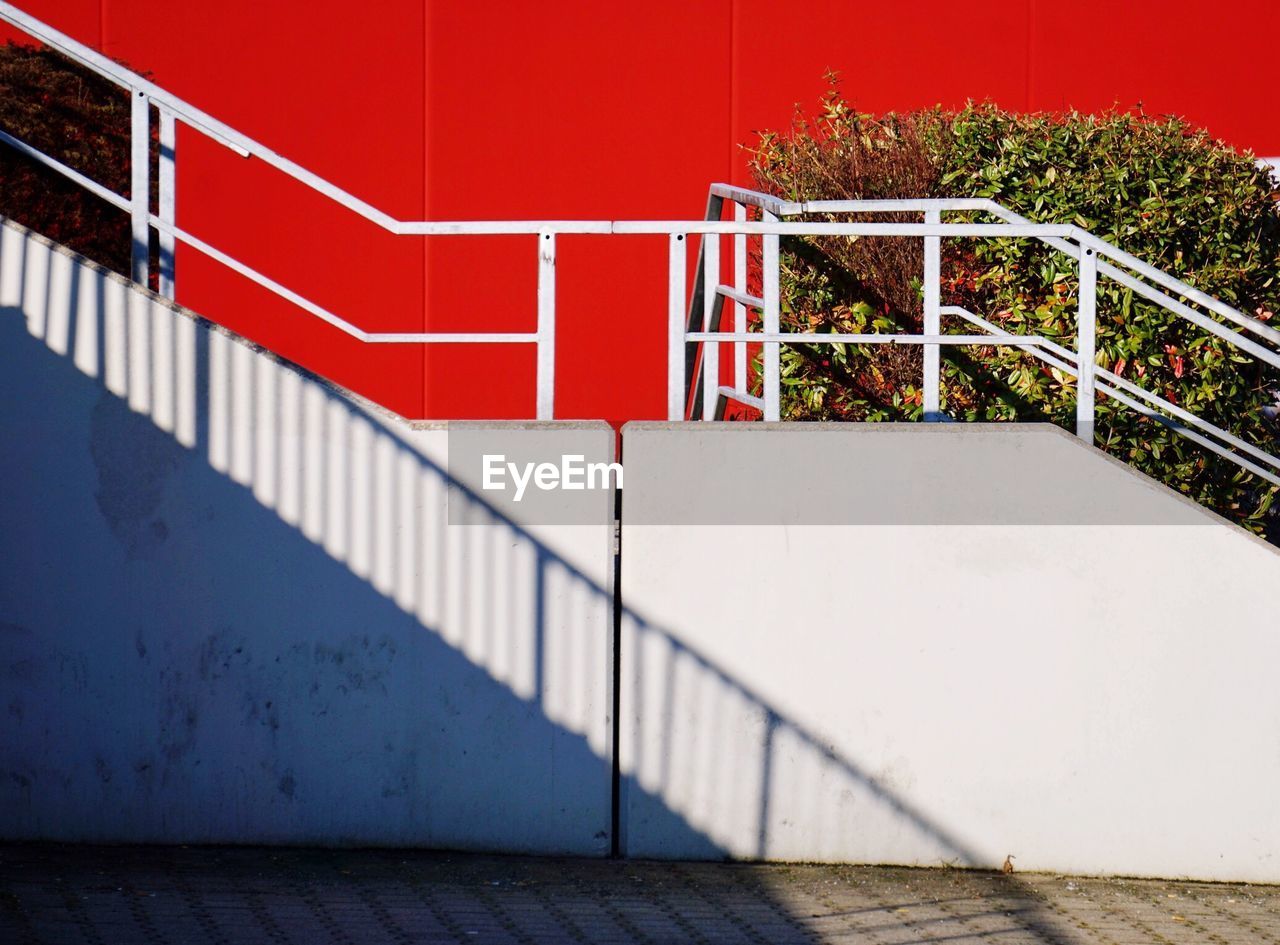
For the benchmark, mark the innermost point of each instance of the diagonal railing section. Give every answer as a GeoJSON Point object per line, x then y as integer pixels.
{"type": "Point", "coordinates": [172, 111]}
{"type": "Point", "coordinates": [695, 333]}
{"type": "Point", "coordinates": [706, 397]}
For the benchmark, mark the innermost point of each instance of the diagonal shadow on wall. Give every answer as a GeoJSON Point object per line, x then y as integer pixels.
{"type": "Point", "coordinates": [231, 611]}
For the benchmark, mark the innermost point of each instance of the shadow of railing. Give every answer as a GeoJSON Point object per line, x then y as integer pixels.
{"type": "Point", "coordinates": [248, 570]}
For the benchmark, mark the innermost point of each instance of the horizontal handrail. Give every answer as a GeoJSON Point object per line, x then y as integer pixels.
{"type": "Point", "coordinates": [896, 205]}
{"type": "Point", "coordinates": [788, 208]}
{"type": "Point", "coordinates": [606, 227]}
{"type": "Point", "coordinates": [329, 317]}
{"type": "Point", "coordinates": [545, 228]}
{"type": "Point", "coordinates": [834, 338]}
{"type": "Point", "coordinates": [782, 228]}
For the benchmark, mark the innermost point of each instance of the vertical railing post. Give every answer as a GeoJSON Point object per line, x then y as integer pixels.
{"type": "Point", "coordinates": [167, 210]}
{"type": "Point", "coordinates": [740, 309]}
{"type": "Point", "coordinates": [140, 184]}
{"type": "Point", "coordinates": [932, 389]}
{"type": "Point", "coordinates": [710, 349]}
{"type": "Point", "coordinates": [1086, 344]}
{"type": "Point", "coordinates": [772, 373]}
{"type": "Point", "coordinates": [675, 326]}
{"type": "Point", "coordinates": [546, 325]}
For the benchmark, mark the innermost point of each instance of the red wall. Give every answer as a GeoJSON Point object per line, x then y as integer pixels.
{"type": "Point", "coordinates": [577, 109]}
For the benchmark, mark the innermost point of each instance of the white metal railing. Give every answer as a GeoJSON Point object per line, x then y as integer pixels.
{"type": "Point", "coordinates": [701, 324]}
{"type": "Point", "coordinates": [693, 324]}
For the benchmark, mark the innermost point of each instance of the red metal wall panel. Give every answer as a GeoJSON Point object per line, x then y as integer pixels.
{"type": "Point", "coordinates": [342, 95]}
{"type": "Point", "coordinates": [1211, 63]}
{"type": "Point", "coordinates": [890, 56]}
{"type": "Point", "coordinates": [575, 109]}
{"type": "Point", "coordinates": [79, 18]}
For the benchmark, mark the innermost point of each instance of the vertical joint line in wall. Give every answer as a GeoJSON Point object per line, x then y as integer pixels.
{"type": "Point", "coordinates": [1030, 52]}
{"type": "Point", "coordinates": [615, 781]}
{"type": "Point", "coordinates": [543, 559]}
{"type": "Point", "coordinates": [203, 391]}
{"type": "Point", "coordinates": [733, 83]}
{"type": "Point", "coordinates": [426, 202]}
{"type": "Point", "coordinates": [767, 749]}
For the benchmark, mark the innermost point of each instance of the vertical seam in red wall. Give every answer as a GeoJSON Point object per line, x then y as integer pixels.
{"type": "Point", "coordinates": [733, 103]}
{"type": "Point", "coordinates": [733, 85]}
{"type": "Point", "coordinates": [1031, 35]}
{"type": "Point", "coordinates": [426, 196]}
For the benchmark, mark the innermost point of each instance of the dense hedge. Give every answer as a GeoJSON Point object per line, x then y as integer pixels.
{"type": "Point", "coordinates": [76, 116]}
{"type": "Point", "coordinates": [1157, 187]}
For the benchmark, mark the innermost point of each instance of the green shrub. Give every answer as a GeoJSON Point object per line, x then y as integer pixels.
{"type": "Point", "coordinates": [1158, 188]}
{"type": "Point", "coordinates": [76, 116]}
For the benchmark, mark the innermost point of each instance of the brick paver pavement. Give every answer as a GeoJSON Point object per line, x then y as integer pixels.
{"type": "Point", "coordinates": [121, 896]}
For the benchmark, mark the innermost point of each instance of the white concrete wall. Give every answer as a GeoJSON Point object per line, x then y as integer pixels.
{"type": "Point", "coordinates": [233, 607]}
{"type": "Point", "coordinates": [1001, 642]}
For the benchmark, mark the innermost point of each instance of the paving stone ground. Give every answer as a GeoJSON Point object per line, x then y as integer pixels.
{"type": "Point", "coordinates": [237, 896]}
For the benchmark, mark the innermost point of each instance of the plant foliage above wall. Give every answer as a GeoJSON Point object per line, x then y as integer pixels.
{"type": "Point", "coordinates": [1158, 188]}
{"type": "Point", "coordinates": [74, 115]}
